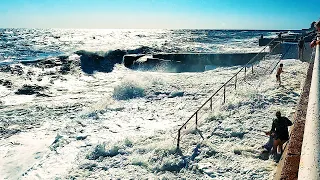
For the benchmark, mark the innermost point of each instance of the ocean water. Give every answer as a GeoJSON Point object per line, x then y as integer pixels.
{"type": "Point", "coordinates": [33, 44]}
{"type": "Point", "coordinates": [118, 123]}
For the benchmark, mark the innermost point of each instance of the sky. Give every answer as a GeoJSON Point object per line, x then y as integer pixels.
{"type": "Point", "coordinates": [159, 14]}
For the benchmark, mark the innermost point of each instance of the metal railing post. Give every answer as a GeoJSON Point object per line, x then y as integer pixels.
{"type": "Point", "coordinates": [245, 72]}
{"type": "Point", "coordinates": [211, 103]}
{"type": "Point", "coordinates": [235, 83]}
{"type": "Point", "coordinates": [252, 68]}
{"type": "Point", "coordinates": [178, 141]}
{"type": "Point", "coordinates": [196, 119]}
{"type": "Point", "coordinates": [224, 94]}
{"type": "Point", "coordinates": [309, 167]}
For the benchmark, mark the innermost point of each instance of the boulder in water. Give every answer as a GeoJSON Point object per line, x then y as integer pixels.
{"type": "Point", "coordinates": [18, 70]}
{"type": "Point", "coordinates": [65, 68]}
{"type": "Point", "coordinates": [128, 60]}
{"type": "Point", "coordinates": [30, 90]}
{"type": "Point", "coordinates": [6, 83]}
{"type": "Point", "coordinates": [81, 137]}
{"type": "Point", "coordinates": [176, 94]}
{"type": "Point", "coordinates": [94, 61]}
{"type": "Point", "coordinates": [49, 63]}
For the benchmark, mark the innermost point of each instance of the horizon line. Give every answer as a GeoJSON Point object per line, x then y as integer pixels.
{"type": "Point", "coordinates": [157, 29]}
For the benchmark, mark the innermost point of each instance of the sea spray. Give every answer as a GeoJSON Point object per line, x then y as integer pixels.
{"type": "Point", "coordinates": [128, 90]}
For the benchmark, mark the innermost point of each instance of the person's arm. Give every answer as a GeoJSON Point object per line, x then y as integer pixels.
{"type": "Point", "coordinates": [273, 128]}
{"type": "Point", "coordinates": [314, 43]}
{"type": "Point", "coordinates": [289, 123]}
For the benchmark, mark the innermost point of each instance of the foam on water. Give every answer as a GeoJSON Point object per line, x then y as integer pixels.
{"type": "Point", "coordinates": [81, 131]}
{"type": "Point", "coordinates": [128, 90]}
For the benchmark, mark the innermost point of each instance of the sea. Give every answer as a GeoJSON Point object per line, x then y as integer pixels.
{"type": "Point", "coordinates": [69, 108]}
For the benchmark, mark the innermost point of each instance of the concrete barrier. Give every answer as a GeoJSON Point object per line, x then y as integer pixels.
{"type": "Point", "coordinates": [307, 53]}
{"type": "Point", "coordinates": [129, 59]}
{"type": "Point", "coordinates": [188, 62]}
{"type": "Point", "coordinates": [309, 168]}
{"type": "Point", "coordinates": [224, 59]}
{"type": "Point", "coordinates": [293, 39]}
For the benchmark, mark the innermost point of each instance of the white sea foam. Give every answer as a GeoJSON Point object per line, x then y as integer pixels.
{"type": "Point", "coordinates": [82, 132]}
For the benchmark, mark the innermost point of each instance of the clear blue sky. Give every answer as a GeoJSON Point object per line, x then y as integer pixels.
{"type": "Point", "coordinates": [194, 14]}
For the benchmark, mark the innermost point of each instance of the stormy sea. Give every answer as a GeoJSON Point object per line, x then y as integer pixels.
{"type": "Point", "coordinates": [69, 108]}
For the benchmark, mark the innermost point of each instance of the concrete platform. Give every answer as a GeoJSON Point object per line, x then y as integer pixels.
{"type": "Point", "coordinates": [188, 62]}
{"type": "Point", "coordinates": [266, 41]}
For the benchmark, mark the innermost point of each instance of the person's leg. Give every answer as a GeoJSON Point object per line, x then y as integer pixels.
{"type": "Point", "coordinates": [279, 80]}
{"type": "Point", "coordinates": [281, 145]}
{"type": "Point", "coordinates": [299, 53]}
{"type": "Point", "coordinates": [276, 143]}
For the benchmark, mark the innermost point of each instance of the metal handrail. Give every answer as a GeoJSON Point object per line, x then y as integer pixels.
{"type": "Point", "coordinates": [252, 60]}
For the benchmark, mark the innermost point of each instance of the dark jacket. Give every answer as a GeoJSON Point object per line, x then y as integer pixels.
{"type": "Point", "coordinates": [280, 128]}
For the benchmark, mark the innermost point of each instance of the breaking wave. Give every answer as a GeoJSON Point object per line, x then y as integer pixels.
{"type": "Point", "coordinates": [128, 90]}
{"type": "Point", "coordinates": [105, 61]}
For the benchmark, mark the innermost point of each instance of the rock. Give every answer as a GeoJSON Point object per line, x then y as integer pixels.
{"type": "Point", "coordinates": [6, 68]}
{"type": "Point", "coordinates": [13, 70]}
{"type": "Point", "coordinates": [6, 83]}
{"type": "Point", "coordinates": [211, 152]}
{"type": "Point", "coordinates": [39, 94]}
{"type": "Point", "coordinates": [237, 152]}
{"type": "Point", "coordinates": [30, 90]}
{"type": "Point", "coordinates": [17, 70]}
{"type": "Point", "coordinates": [5, 132]}
{"type": "Point", "coordinates": [159, 93]}
{"type": "Point", "coordinates": [62, 61]}
{"type": "Point", "coordinates": [128, 60]}
{"type": "Point", "coordinates": [30, 73]}
{"type": "Point", "coordinates": [91, 62]}
{"type": "Point", "coordinates": [81, 137]}
{"type": "Point", "coordinates": [176, 94]}
{"type": "Point", "coordinates": [49, 63]}
{"type": "Point", "coordinates": [237, 134]}
{"type": "Point", "coordinates": [65, 68]}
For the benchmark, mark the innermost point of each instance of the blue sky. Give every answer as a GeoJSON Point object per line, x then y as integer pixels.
{"type": "Point", "coordinates": [194, 14]}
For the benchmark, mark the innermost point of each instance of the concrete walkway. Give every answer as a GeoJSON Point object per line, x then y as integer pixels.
{"type": "Point", "coordinates": [288, 166]}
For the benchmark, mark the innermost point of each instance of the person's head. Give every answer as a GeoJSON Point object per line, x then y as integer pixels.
{"type": "Point", "coordinates": [281, 65]}
{"type": "Point", "coordinates": [317, 25]}
{"type": "Point", "coordinates": [278, 114]}
{"type": "Point", "coordinates": [312, 25]}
